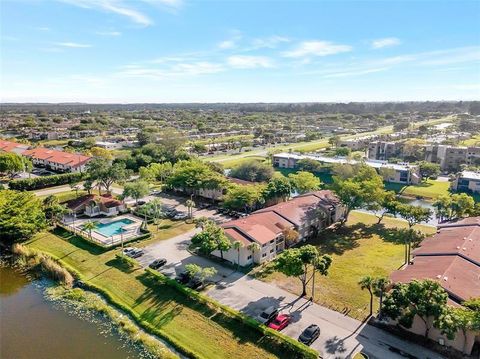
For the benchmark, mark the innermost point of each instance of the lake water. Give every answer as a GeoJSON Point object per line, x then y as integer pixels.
{"type": "Point", "coordinates": [33, 327]}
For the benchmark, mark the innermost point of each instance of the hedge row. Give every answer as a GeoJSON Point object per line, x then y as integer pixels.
{"type": "Point", "coordinates": [295, 348]}
{"type": "Point", "coordinates": [29, 184]}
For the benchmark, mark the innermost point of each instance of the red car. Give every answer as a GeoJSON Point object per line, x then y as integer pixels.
{"type": "Point", "coordinates": [280, 322]}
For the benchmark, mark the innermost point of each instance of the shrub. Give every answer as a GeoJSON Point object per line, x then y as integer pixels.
{"type": "Point", "coordinates": [29, 184]}
{"type": "Point", "coordinates": [56, 272]}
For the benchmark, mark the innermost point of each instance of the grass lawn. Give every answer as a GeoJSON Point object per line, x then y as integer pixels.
{"type": "Point", "coordinates": [474, 141]}
{"type": "Point", "coordinates": [167, 229]}
{"type": "Point", "coordinates": [66, 195]}
{"type": "Point", "coordinates": [361, 248]}
{"type": "Point", "coordinates": [196, 327]}
{"type": "Point", "coordinates": [229, 163]}
{"type": "Point", "coordinates": [430, 189]}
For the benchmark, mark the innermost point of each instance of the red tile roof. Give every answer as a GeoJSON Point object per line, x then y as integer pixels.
{"type": "Point", "coordinates": [8, 146]}
{"type": "Point", "coordinates": [59, 157]}
{"type": "Point", "coordinates": [258, 227]}
{"type": "Point", "coordinates": [459, 277]}
{"type": "Point", "coordinates": [451, 257]}
{"type": "Point", "coordinates": [304, 207]}
{"type": "Point", "coordinates": [106, 200]}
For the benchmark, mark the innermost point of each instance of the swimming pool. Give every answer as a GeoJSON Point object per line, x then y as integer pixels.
{"type": "Point", "coordinates": [113, 228]}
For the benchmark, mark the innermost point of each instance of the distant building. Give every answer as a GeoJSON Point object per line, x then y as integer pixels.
{"type": "Point", "coordinates": [401, 173]}
{"type": "Point", "coordinates": [384, 150]}
{"type": "Point", "coordinates": [467, 181]}
{"type": "Point", "coordinates": [306, 214]}
{"type": "Point", "coordinates": [452, 258]}
{"type": "Point", "coordinates": [58, 161]}
{"type": "Point", "coordinates": [108, 145]}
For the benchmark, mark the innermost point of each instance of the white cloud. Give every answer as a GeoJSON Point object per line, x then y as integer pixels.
{"type": "Point", "coordinates": [317, 48]}
{"type": "Point", "coordinates": [249, 62]}
{"type": "Point", "coordinates": [385, 42]}
{"type": "Point", "coordinates": [227, 44]}
{"type": "Point", "coordinates": [174, 70]}
{"type": "Point", "coordinates": [270, 42]}
{"type": "Point", "coordinates": [109, 33]}
{"type": "Point", "coordinates": [72, 44]}
{"type": "Point", "coordinates": [125, 8]}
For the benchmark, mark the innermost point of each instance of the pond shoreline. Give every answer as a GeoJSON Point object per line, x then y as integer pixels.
{"type": "Point", "coordinates": [90, 299]}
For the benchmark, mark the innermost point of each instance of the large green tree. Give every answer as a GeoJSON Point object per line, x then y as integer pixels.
{"type": "Point", "coordinates": [301, 262]}
{"type": "Point", "coordinates": [11, 164]}
{"type": "Point", "coordinates": [21, 215]}
{"type": "Point", "coordinates": [211, 238]}
{"type": "Point", "coordinates": [278, 188]}
{"type": "Point", "coordinates": [243, 197]}
{"type": "Point", "coordinates": [363, 188]}
{"type": "Point", "coordinates": [252, 170]}
{"type": "Point", "coordinates": [136, 190]}
{"type": "Point", "coordinates": [428, 169]}
{"type": "Point", "coordinates": [304, 182]}
{"type": "Point", "coordinates": [425, 299]}
{"type": "Point", "coordinates": [106, 173]}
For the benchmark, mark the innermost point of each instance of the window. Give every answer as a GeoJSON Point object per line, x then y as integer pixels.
{"type": "Point", "coordinates": [272, 250]}
{"type": "Point", "coordinates": [264, 245]}
{"type": "Point", "coordinates": [264, 255]}
{"type": "Point", "coordinates": [249, 257]}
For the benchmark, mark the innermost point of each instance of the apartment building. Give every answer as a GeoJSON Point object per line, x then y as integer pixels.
{"type": "Point", "coordinates": [384, 150]}
{"type": "Point", "coordinates": [57, 161]}
{"type": "Point", "coordinates": [400, 172]}
{"type": "Point", "coordinates": [452, 258]}
{"type": "Point", "coordinates": [467, 181]}
{"type": "Point", "coordinates": [13, 147]}
{"type": "Point", "coordinates": [306, 214]}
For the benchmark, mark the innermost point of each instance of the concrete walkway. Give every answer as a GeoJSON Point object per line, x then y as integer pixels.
{"type": "Point", "coordinates": [341, 336]}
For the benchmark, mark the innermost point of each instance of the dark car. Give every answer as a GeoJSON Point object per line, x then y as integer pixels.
{"type": "Point", "coordinates": [194, 283]}
{"type": "Point", "coordinates": [157, 263]}
{"type": "Point", "coordinates": [267, 315]}
{"type": "Point", "coordinates": [135, 253]}
{"type": "Point", "coordinates": [183, 278]}
{"type": "Point", "coordinates": [310, 334]}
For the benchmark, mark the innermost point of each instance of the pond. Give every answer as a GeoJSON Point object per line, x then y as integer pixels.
{"type": "Point", "coordinates": [33, 327]}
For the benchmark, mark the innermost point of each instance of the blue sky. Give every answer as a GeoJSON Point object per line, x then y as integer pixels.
{"type": "Point", "coordinates": [239, 51]}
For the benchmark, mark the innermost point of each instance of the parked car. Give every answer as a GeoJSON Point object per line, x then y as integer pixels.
{"type": "Point", "coordinates": [310, 334]}
{"type": "Point", "coordinates": [267, 315]}
{"type": "Point", "coordinates": [280, 322]}
{"type": "Point", "coordinates": [194, 283]}
{"type": "Point", "coordinates": [183, 277]}
{"type": "Point", "coordinates": [180, 216]}
{"type": "Point", "coordinates": [137, 252]}
{"type": "Point", "coordinates": [126, 251]}
{"type": "Point", "coordinates": [157, 263]}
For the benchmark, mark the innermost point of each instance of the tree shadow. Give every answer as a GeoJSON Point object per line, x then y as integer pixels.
{"type": "Point", "coordinates": [78, 241]}
{"type": "Point", "coordinates": [122, 265]}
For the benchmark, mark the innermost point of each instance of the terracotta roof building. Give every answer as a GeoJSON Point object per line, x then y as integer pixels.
{"type": "Point", "coordinates": [93, 205]}
{"type": "Point", "coordinates": [14, 147]}
{"type": "Point", "coordinates": [451, 257]}
{"type": "Point", "coordinates": [306, 214]}
{"type": "Point", "coordinates": [57, 160]}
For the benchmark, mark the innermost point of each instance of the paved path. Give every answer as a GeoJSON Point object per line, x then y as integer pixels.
{"type": "Point", "coordinates": [341, 336]}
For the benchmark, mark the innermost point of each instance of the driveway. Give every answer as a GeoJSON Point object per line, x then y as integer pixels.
{"type": "Point", "coordinates": [341, 336]}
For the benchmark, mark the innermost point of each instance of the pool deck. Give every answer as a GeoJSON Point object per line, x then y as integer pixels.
{"type": "Point", "coordinates": [132, 230]}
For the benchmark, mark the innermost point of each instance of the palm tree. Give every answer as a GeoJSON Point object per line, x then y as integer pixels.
{"type": "Point", "coordinates": [75, 187]}
{"type": "Point", "coordinates": [90, 226]}
{"type": "Point", "coordinates": [157, 212]}
{"type": "Point", "coordinates": [380, 286]}
{"type": "Point", "coordinates": [190, 204]}
{"type": "Point", "coordinates": [367, 282]}
{"type": "Point", "coordinates": [254, 247]}
{"type": "Point", "coordinates": [238, 245]}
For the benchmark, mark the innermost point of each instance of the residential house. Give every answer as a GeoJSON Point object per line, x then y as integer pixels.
{"type": "Point", "coordinates": [306, 214]}
{"type": "Point", "coordinates": [58, 161]}
{"type": "Point", "coordinates": [93, 205]}
{"type": "Point", "coordinates": [452, 258]}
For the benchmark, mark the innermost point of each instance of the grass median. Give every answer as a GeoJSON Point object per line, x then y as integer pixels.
{"type": "Point", "coordinates": [197, 329]}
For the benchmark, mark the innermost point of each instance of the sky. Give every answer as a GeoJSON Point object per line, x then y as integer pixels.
{"type": "Point", "coordinates": [165, 51]}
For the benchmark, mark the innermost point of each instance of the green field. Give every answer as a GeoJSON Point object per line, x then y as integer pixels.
{"type": "Point", "coordinates": [199, 329]}
{"type": "Point", "coordinates": [66, 195]}
{"type": "Point", "coordinates": [429, 189]}
{"type": "Point", "coordinates": [361, 248]}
